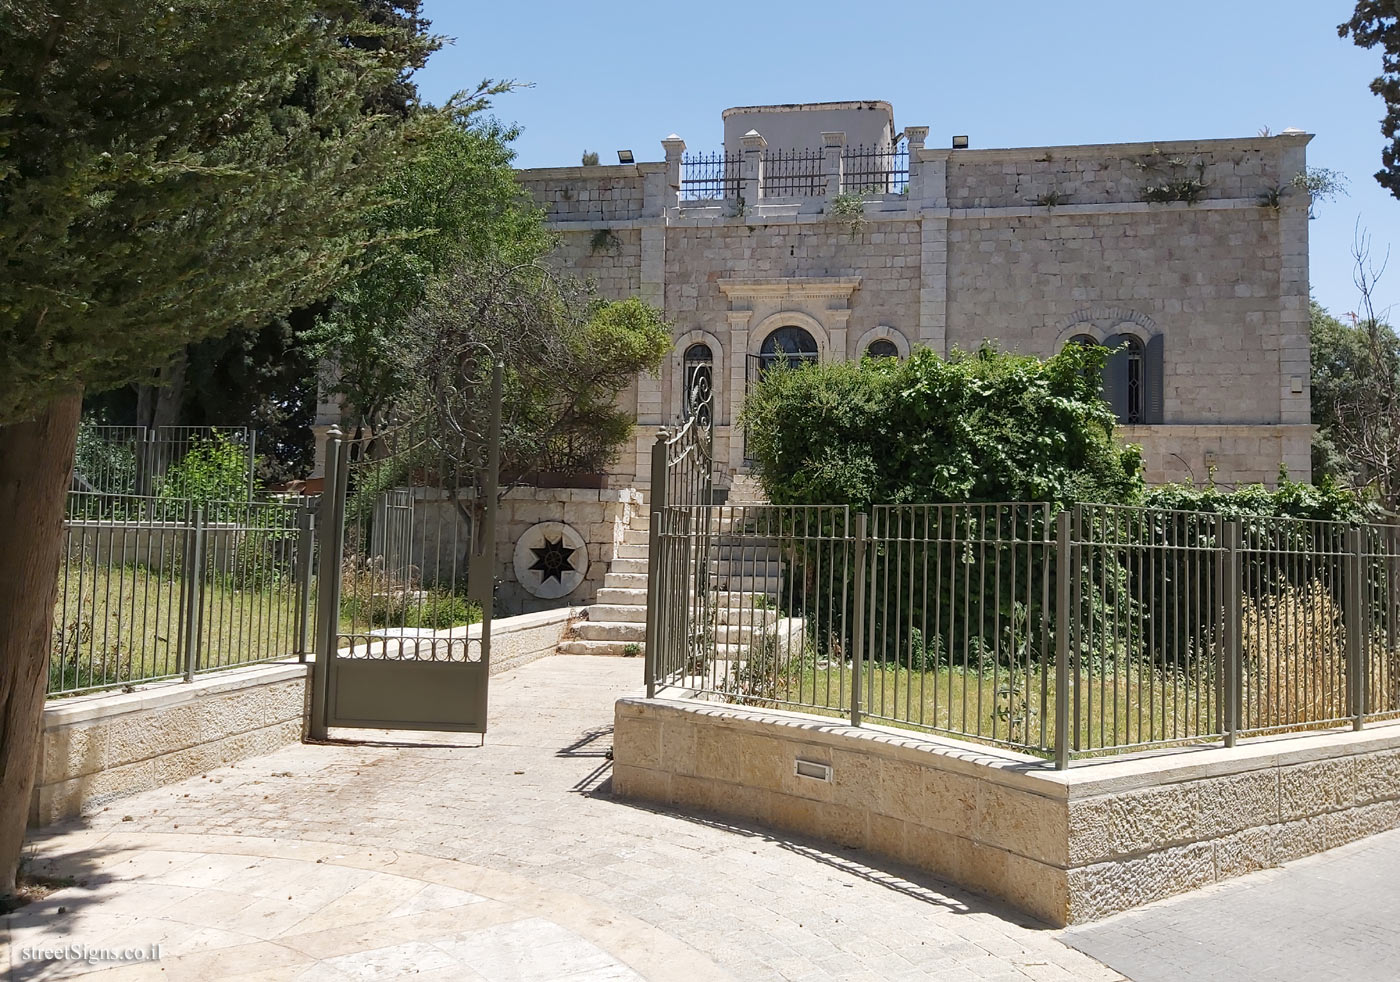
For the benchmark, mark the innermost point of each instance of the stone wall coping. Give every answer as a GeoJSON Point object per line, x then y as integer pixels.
{"type": "Point", "coordinates": [1283, 141]}
{"type": "Point", "coordinates": [1084, 778]}
{"type": "Point", "coordinates": [600, 172]}
{"type": "Point", "coordinates": [157, 695]}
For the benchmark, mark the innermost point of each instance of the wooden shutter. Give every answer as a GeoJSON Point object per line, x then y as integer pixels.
{"type": "Point", "coordinates": [1115, 376]}
{"type": "Point", "coordinates": [1153, 378]}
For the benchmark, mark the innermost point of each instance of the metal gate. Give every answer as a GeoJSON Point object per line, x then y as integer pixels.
{"type": "Point", "coordinates": [407, 577]}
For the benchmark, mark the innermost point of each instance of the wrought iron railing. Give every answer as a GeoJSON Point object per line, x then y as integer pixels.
{"type": "Point", "coordinates": [875, 170]}
{"type": "Point", "coordinates": [793, 173]}
{"type": "Point", "coordinates": [1092, 630]}
{"type": "Point", "coordinates": [710, 176]}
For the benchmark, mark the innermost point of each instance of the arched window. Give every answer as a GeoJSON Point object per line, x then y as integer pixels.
{"type": "Point", "coordinates": [1132, 376]}
{"type": "Point", "coordinates": [1134, 383]}
{"type": "Point", "coordinates": [791, 344]}
{"type": "Point", "coordinates": [882, 348]}
{"type": "Point", "coordinates": [697, 365]}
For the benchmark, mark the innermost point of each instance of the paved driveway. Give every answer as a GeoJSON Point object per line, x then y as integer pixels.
{"type": "Point", "coordinates": [432, 858]}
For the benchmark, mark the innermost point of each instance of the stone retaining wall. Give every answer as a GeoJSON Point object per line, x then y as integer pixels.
{"type": "Point", "coordinates": [1066, 846]}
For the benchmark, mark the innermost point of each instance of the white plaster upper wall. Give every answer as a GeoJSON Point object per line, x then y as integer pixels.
{"type": "Point", "coordinates": [866, 123]}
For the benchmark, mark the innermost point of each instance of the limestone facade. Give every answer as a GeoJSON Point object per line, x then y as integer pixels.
{"type": "Point", "coordinates": [1028, 247]}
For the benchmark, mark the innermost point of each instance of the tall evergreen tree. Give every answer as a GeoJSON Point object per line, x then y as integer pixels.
{"type": "Point", "coordinates": [1376, 23]}
{"type": "Point", "coordinates": [168, 172]}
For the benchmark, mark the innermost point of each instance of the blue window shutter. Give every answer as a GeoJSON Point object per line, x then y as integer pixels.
{"type": "Point", "coordinates": [1115, 376]}
{"type": "Point", "coordinates": [1153, 377]}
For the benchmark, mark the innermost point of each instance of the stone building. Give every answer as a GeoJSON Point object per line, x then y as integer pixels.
{"type": "Point", "coordinates": [823, 231]}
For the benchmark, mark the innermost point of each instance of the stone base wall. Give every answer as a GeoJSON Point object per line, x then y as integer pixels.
{"type": "Point", "coordinates": [517, 641]}
{"type": "Point", "coordinates": [100, 748]}
{"type": "Point", "coordinates": [1240, 453]}
{"type": "Point", "coordinates": [601, 517]}
{"type": "Point", "coordinates": [1065, 846]}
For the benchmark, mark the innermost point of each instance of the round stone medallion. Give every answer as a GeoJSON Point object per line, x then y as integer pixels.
{"type": "Point", "coordinates": [551, 560]}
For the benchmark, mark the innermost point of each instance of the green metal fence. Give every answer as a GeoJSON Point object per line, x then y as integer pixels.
{"type": "Point", "coordinates": [1091, 630]}
{"type": "Point", "coordinates": [152, 588]}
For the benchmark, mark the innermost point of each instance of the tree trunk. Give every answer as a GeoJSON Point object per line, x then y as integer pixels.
{"type": "Point", "coordinates": [36, 464]}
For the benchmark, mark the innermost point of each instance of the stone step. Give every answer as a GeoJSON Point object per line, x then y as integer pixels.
{"type": "Point", "coordinates": [627, 565]}
{"type": "Point", "coordinates": [636, 537]}
{"type": "Point", "coordinates": [633, 596]}
{"type": "Point", "coordinates": [625, 581]}
{"type": "Point", "coordinates": [748, 584]}
{"type": "Point", "coordinates": [581, 646]}
{"type": "Point", "coordinates": [745, 598]}
{"type": "Point", "coordinates": [617, 613]}
{"type": "Point", "coordinates": [630, 550]}
{"type": "Point", "coordinates": [612, 630]}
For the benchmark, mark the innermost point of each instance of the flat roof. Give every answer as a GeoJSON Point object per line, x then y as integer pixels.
{"type": "Point", "coordinates": [808, 106]}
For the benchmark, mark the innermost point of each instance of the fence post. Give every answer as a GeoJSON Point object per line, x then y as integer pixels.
{"type": "Point", "coordinates": [194, 592]}
{"type": "Point", "coordinates": [657, 508]}
{"type": "Point", "coordinates": [1231, 655]}
{"type": "Point", "coordinates": [306, 539]}
{"type": "Point", "coordinates": [327, 599]}
{"type": "Point", "coordinates": [1355, 617]}
{"type": "Point", "coordinates": [1064, 579]}
{"type": "Point", "coordinates": [858, 615]}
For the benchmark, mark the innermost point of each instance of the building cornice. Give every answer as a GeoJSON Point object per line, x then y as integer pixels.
{"type": "Point", "coordinates": [796, 286]}
{"type": "Point", "coordinates": [1260, 143]}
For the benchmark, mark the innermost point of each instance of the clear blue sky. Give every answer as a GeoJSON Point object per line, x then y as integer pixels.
{"type": "Point", "coordinates": [624, 74]}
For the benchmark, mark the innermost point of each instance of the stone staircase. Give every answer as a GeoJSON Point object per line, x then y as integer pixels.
{"type": "Point", "coordinates": [618, 619]}
{"type": "Point", "coordinates": [746, 573]}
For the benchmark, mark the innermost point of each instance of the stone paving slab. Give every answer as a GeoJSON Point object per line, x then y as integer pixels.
{"type": "Point", "coordinates": [1329, 916]}
{"type": "Point", "coordinates": [540, 855]}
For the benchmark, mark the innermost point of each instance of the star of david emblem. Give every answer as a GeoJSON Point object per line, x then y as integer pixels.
{"type": "Point", "coordinates": [553, 559]}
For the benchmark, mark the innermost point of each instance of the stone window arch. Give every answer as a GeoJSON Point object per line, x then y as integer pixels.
{"type": "Point", "coordinates": [791, 343]}
{"type": "Point", "coordinates": [882, 342]}
{"type": "Point", "coordinates": [1133, 377]}
{"type": "Point", "coordinates": [685, 359]}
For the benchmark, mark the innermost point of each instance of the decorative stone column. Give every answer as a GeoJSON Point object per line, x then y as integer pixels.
{"type": "Point", "coordinates": [751, 171]}
{"type": "Point", "coordinates": [914, 137]}
{"type": "Point", "coordinates": [833, 161]}
{"type": "Point", "coordinates": [675, 149]}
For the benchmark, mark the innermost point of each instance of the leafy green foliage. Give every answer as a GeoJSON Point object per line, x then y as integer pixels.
{"type": "Point", "coordinates": [213, 470]}
{"type": "Point", "coordinates": [1324, 501]}
{"type": "Point", "coordinates": [566, 356]}
{"type": "Point", "coordinates": [1356, 405]}
{"type": "Point", "coordinates": [988, 426]}
{"type": "Point", "coordinates": [1376, 23]}
{"type": "Point", "coordinates": [163, 178]}
{"type": "Point", "coordinates": [458, 201]}
{"type": "Point", "coordinates": [103, 465]}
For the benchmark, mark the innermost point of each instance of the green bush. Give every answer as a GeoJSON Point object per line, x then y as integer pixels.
{"type": "Point", "coordinates": [1325, 501]}
{"type": "Point", "coordinates": [987, 426]}
{"type": "Point", "coordinates": [213, 469]}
